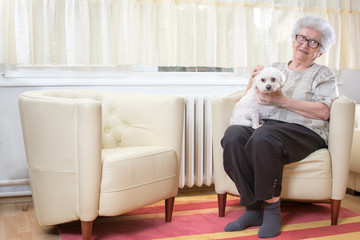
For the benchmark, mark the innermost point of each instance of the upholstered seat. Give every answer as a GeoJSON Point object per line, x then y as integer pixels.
{"type": "Point", "coordinates": [126, 169]}
{"type": "Point", "coordinates": [320, 177]}
{"type": "Point", "coordinates": [100, 153]}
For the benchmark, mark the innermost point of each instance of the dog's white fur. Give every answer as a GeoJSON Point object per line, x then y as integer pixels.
{"type": "Point", "coordinates": [248, 111]}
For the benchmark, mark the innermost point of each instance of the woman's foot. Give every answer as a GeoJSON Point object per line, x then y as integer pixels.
{"type": "Point", "coordinates": [272, 220]}
{"type": "Point", "coordinates": [253, 216]}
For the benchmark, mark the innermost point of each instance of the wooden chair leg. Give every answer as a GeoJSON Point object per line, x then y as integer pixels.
{"type": "Point", "coordinates": [86, 229]}
{"type": "Point", "coordinates": [169, 206]}
{"type": "Point", "coordinates": [222, 204]}
{"type": "Point", "coordinates": [335, 208]}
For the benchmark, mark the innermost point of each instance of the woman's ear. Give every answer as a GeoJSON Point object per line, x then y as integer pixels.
{"type": "Point", "coordinates": [319, 54]}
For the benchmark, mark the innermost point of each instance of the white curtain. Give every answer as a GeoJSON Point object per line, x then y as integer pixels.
{"type": "Point", "coordinates": [216, 33]}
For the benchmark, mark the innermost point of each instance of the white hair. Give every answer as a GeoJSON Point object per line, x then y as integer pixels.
{"type": "Point", "coordinates": [322, 26]}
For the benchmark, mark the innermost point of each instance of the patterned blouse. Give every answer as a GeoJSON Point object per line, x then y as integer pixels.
{"type": "Point", "coordinates": [316, 84]}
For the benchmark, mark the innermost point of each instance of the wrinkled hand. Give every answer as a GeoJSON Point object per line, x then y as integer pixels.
{"type": "Point", "coordinates": [274, 98]}
{"type": "Point", "coordinates": [256, 70]}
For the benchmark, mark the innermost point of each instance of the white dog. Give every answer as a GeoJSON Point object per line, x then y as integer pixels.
{"type": "Point", "coordinates": [248, 111]}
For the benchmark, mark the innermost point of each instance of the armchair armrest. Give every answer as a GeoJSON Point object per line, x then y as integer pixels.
{"type": "Point", "coordinates": [341, 129]}
{"type": "Point", "coordinates": [63, 149]}
{"type": "Point", "coordinates": [221, 112]}
{"type": "Point", "coordinates": [136, 119]}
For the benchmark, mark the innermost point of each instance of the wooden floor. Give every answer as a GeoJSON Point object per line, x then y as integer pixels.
{"type": "Point", "coordinates": [18, 221]}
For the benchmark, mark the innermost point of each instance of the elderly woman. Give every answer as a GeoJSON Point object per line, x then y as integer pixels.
{"type": "Point", "coordinates": [254, 158]}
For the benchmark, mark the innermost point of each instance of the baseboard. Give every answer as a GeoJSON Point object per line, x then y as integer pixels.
{"type": "Point", "coordinates": [19, 199]}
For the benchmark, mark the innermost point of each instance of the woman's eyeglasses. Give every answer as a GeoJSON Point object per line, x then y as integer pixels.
{"type": "Point", "coordinates": [302, 39]}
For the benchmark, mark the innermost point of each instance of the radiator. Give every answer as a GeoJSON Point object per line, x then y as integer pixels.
{"type": "Point", "coordinates": [196, 165]}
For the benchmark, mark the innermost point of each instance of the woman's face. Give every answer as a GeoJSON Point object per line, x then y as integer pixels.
{"type": "Point", "coordinates": [302, 52]}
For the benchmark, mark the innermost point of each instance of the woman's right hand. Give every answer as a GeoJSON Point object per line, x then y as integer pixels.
{"type": "Point", "coordinates": [255, 72]}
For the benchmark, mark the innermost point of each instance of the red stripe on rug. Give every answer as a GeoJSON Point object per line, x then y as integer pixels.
{"type": "Point", "coordinates": [182, 207]}
{"type": "Point", "coordinates": [208, 223]}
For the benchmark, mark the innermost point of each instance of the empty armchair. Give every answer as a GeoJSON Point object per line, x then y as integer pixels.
{"type": "Point", "coordinates": [320, 177]}
{"type": "Point", "coordinates": [100, 153]}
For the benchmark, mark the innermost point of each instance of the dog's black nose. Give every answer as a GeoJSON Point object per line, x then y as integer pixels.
{"type": "Point", "coordinates": [268, 87]}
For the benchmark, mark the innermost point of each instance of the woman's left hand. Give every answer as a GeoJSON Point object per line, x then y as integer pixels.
{"type": "Point", "coordinates": [274, 98]}
{"type": "Point", "coordinates": [315, 110]}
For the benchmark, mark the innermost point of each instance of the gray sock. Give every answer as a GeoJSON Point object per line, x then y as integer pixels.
{"type": "Point", "coordinates": [252, 216]}
{"type": "Point", "coordinates": [272, 220]}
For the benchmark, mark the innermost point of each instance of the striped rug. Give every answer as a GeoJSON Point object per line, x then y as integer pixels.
{"type": "Point", "coordinates": [196, 217]}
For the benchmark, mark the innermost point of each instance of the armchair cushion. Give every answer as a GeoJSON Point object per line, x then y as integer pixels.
{"type": "Point", "coordinates": [309, 178]}
{"type": "Point", "coordinates": [133, 169]}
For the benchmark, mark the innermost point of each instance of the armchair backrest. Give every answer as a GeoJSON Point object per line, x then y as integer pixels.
{"type": "Point", "coordinates": [132, 119]}
{"type": "Point", "coordinates": [222, 108]}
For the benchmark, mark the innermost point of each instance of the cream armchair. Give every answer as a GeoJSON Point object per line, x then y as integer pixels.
{"type": "Point", "coordinates": [321, 177]}
{"type": "Point", "coordinates": [100, 153]}
{"type": "Point", "coordinates": [354, 174]}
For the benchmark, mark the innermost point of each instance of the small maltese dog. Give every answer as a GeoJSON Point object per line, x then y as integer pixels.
{"type": "Point", "coordinates": [248, 111]}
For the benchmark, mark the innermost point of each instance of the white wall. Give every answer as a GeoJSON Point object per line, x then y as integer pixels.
{"type": "Point", "coordinates": [12, 154]}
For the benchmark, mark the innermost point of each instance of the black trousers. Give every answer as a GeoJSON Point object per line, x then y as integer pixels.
{"type": "Point", "coordinates": [254, 158]}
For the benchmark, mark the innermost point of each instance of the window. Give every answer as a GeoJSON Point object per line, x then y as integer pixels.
{"type": "Point", "coordinates": [194, 69]}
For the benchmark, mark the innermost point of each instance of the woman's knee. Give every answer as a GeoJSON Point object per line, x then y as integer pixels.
{"type": "Point", "coordinates": [272, 148]}
{"type": "Point", "coordinates": [263, 135]}
{"type": "Point", "coordinates": [234, 134]}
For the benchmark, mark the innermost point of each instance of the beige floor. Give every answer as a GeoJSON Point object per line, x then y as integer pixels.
{"type": "Point", "coordinates": [18, 221]}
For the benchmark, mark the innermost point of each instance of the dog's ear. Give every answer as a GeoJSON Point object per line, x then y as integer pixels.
{"type": "Point", "coordinates": [255, 81]}
{"type": "Point", "coordinates": [283, 79]}
{"type": "Point", "coordinates": [257, 77]}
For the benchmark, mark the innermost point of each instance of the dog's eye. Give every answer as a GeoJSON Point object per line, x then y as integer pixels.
{"type": "Point", "coordinates": [273, 79]}
{"type": "Point", "coordinates": [263, 80]}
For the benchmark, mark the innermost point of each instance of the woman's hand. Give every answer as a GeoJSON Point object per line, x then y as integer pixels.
{"type": "Point", "coordinates": [274, 98]}
{"type": "Point", "coordinates": [315, 110]}
{"type": "Point", "coordinates": [255, 72]}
